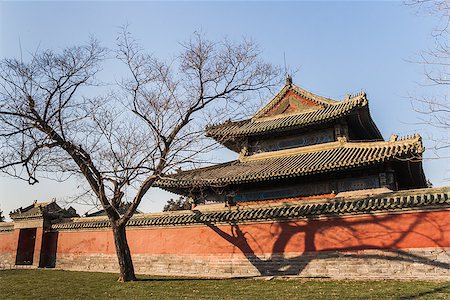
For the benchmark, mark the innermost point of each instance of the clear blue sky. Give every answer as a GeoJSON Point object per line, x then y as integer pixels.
{"type": "Point", "coordinates": [339, 48]}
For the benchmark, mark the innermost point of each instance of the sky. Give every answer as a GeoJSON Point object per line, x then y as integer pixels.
{"type": "Point", "coordinates": [337, 47]}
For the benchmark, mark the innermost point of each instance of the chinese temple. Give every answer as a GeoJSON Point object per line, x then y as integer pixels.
{"type": "Point", "coordinates": [301, 145]}
{"type": "Point", "coordinates": [315, 192]}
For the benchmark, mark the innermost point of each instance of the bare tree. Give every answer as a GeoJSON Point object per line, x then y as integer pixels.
{"type": "Point", "coordinates": [2, 218]}
{"type": "Point", "coordinates": [434, 107]}
{"type": "Point", "coordinates": [122, 141]}
{"type": "Point", "coordinates": [181, 203]}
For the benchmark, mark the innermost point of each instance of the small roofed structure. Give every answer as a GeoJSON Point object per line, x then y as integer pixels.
{"type": "Point", "coordinates": [303, 145]}
{"type": "Point", "coordinates": [45, 210]}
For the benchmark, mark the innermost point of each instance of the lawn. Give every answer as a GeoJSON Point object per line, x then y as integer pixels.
{"type": "Point", "coordinates": [55, 284]}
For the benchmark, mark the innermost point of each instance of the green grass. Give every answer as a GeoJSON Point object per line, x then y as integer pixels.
{"type": "Point", "coordinates": [55, 284]}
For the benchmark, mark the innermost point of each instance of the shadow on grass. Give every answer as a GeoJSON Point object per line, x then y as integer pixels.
{"type": "Point", "coordinates": [427, 293]}
{"type": "Point", "coordinates": [168, 279]}
{"type": "Point", "coordinates": [177, 279]}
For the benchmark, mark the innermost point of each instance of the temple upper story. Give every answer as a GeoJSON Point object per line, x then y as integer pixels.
{"type": "Point", "coordinates": [300, 145]}
{"type": "Point", "coordinates": [295, 118]}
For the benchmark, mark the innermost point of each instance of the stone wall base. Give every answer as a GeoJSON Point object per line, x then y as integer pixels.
{"type": "Point", "coordinates": [424, 264]}
{"type": "Point", "coordinates": [7, 260]}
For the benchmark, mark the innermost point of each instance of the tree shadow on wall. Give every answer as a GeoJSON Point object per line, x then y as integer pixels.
{"type": "Point", "coordinates": [278, 263]}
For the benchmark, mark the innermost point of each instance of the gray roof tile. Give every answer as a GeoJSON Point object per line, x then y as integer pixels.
{"type": "Point", "coordinates": [297, 162]}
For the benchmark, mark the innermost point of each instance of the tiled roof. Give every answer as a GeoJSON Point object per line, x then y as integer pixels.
{"type": "Point", "coordinates": [327, 111]}
{"type": "Point", "coordinates": [409, 200]}
{"type": "Point", "coordinates": [297, 162]}
{"type": "Point", "coordinates": [289, 86]}
{"type": "Point", "coordinates": [40, 209]}
{"type": "Point", "coordinates": [5, 227]}
{"type": "Point", "coordinates": [35, 210]}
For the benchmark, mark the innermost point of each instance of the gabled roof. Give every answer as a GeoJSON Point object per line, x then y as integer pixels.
{"type": "Point", "coordinates": [42, 209]}
{"type": "Point", "coordinates": [297, 120]}
{"type": "Point", "coordinates": [310, 101]}
{"type": "Point", "coordinates": [292, 108]}
{"type": "Point", "coordinates": [298, 162]}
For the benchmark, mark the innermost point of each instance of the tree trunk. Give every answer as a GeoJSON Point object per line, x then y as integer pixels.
{"type": "Point", "coordinates": [123, 254]}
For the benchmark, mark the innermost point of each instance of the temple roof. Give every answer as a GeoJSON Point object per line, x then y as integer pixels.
{"type": "Point", "coordinates": [292, 108]}
{"type": "Point", "coordinates": [297, 162]}
{"type": "Point", "coordinates": [41, 209]}
{"type": "Point", "coordinates": [305, 101]}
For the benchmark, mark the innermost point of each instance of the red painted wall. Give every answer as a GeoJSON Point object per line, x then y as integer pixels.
{"type": "Point", "coordinates": [8, 242]}
{"type": "Point", "coordinates": [8, 245]}
{"type": "Point", "coordinates": [403, 231]}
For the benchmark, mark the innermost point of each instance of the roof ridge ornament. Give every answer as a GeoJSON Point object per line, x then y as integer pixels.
{"type": "Point", "coordinates": [414, 136]}
{"type": "Point", "coordinates": [393, 138]}
{"type": "Point", "coordinates": [342, 140]}
{"type": "Point", "coordinates": [288, 79]}
{"type": "Point", "coordinates": [243, 153]}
